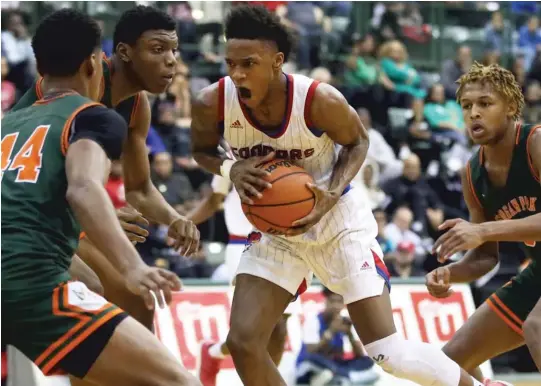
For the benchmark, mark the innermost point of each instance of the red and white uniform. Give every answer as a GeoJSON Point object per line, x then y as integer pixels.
{"type": "Point", "coordinates": [341, 250]}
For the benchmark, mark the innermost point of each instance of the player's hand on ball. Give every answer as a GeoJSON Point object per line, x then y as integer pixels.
{"type": "Point", "coordinates": [185, 236]}
{"type": "Point", "coordinates": [438, 282]}
{"type": "Point", "coordinates": [129, 218]}
{"type": "Point", "coordinates": [143, 280]}
{"type": "Point", "coordinates": [247, 177]}
{"type": "Point", "coordinates": [325, 200]}
{"type": "Point", "coordinates": [460, 236]}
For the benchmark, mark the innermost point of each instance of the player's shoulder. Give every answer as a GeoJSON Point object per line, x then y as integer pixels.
{"type": "Point", "coordinates": [206, 102]}
{"type": "Point", "coordinates": [530, 131]}
{"type": "Point", "coordinates": [98, 115]}
{"type": "Point", "coordinates": [326, 98]}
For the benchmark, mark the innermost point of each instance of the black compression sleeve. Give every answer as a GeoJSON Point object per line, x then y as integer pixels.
{"type": "Point", "coordinates": [102, 125]}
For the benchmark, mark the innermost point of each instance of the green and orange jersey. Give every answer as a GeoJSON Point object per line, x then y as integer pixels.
{"type": "Point", "coordinates": [39, 229]}
{"type": "Point", "coordinates": [126, 108]}
{"type": "Point", "coordinates": [521, 193]}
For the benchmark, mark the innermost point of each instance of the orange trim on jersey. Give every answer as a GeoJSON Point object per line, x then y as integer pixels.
{"type": "Point", "coordinates": [64, 138]}
{"type": "Point", "coordinates": [511, 314]}
{"type": "Point", "coordinates": [308, 103]}
{"type": "Point", "coordinates": [42, 101]}
{"type": "Point", "coordinates": [136, 105]}
{"type": "Point", "coordinates": [85, 321]}
{"type": "Point", "coordinates": [39, 93]}
{"type": "Point", "coordinates": [82, 235]}
{"type": "Point", "coordinates": [470, 183]}
{"type": "Point", "coordinates": [221, 99]}
{"type": "Point", "coordinates": [504, 317]}
{"type": "Point", "coordinates": [534, 172]}
{"type": "Point", "coordinates": [517, 137]}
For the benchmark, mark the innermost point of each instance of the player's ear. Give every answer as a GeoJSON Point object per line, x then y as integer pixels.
{"type": "Point", "coordinates": [124, 52]}
{"type": "Point", "coordinates": [512, 109]}
{"type": "Point", "coordinates": [278, 61]}
{"type": "Point", "coordinates": [91, 63]}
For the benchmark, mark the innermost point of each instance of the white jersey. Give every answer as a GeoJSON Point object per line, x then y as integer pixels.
{"type": "Point", "coordinates": [235, 220]}
{"type": "Point", "coordinates": [295, 139]}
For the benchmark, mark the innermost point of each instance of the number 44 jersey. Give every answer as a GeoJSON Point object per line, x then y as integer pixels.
{"type": "Point", "coordinates": [39, 230]}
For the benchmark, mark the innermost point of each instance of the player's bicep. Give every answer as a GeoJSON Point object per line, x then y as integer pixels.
{"type": "Point", "coordinates": [331, 113]}
{"type": "Point", "coordinates": [205, 132]}
{"type": "Point", "coordinates": [533, 147]}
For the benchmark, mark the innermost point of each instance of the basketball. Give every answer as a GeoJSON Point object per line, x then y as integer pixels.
{"type": "Point", "coordinates": [287, 201]}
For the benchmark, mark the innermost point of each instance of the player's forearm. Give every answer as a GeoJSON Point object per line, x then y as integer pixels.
{"type": "Point", "coordinates": [525, 229]}
{"type": "Point", "coordinates": [95, 213]}
{"type": "Point", "coordinates": [350, 160]}
{"type": "Point", "coordinates": [151, 203]}
{"type": "Point", "coordinates": [205, 209]}
{"type": "Point", "coordinates": [208, 161]}
{"type": "Point", "coordinates": [472, 266]}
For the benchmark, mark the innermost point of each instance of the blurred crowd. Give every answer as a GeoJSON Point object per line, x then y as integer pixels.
{"type": "Point", "coordinates": [418, 141]}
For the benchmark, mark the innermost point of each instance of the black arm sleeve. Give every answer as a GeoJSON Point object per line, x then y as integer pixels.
{"type": "Point", "coordinates": [103, 126]}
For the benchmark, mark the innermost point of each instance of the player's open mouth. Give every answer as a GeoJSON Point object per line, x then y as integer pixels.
{"type": "Point", "coordinates": [477, 129]}
{"type": "Point", "coordinates": [244, 93]}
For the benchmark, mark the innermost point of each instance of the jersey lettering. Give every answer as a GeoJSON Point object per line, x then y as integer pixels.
{"type": "Point", "coordinates": [27, 161]}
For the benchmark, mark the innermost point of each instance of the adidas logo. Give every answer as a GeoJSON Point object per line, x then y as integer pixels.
{"type": "Point", "coordinates": [365, 265]}
{"type": "Point", "coordinates": [236, 125]}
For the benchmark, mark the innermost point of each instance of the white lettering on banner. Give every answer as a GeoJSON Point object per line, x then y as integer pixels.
{"type": "Point", "coordinates": [202, 313]}
{"type": "Point", "coordinates": [438, 319]}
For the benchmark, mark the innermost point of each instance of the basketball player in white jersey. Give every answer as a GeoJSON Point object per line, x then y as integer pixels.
{"type": "Point", "coordinates": [212, 353]}
{"type": "Point", "coordinates": [263, 113]}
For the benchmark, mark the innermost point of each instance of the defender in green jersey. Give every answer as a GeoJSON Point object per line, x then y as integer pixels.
{"type": "Point", "coordinates": [145, 42]}
{"type": "Point", "coordinates": [501, 185]}
{"type": "Point", "coordinates": [55, 155]}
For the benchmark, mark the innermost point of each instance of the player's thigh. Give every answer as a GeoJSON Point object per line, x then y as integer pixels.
{"type": "Point", "coordinates": [115, 290]}
{"type": "Point", "coordinates": [80, 271]}
{"type": "Point", "coordinates": [350, 266]}
{"type": "Point", "coordinates": [133, 356]}
{"type": "Point", "coordinates": [484, 336]}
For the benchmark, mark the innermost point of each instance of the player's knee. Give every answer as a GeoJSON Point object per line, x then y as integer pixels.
{"type": "Point", "coordinates": [174, 375]}
{"type": "Point", "coordinates": [280, 330]}
{"type": "Point", "coordinates": [456, 350]}
{"type": "Point", "coordinates": [532, 331]}
{"type": "Point", "coordinates": [243, 339]}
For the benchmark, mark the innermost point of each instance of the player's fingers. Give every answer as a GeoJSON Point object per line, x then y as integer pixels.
{"type": "Point", "coordinates": [251, 190]}
{"type": "Point", "coordinates": [172, 279]}
{"type": "Point", "coordinates": [244, 197]}
{"type": "Point", "coordinates": [257, 182]}
{"type": "Point", "coordinates": [133, 228]}
{"type": "Point", "coordinates": [147, 297]}
{"type": "Point", "coordinates": [135, 238]}
{"type": "Point", "coordinates": [266, 158]}
{"type": "Point", "coordinates": [447, 249]}
{"type": "Point", "coordinates": [438, 243]}
{"type": "Point", "coordinates": [449, 223]}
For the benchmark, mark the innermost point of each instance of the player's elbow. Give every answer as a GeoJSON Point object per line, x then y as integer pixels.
{"type": "Point", "coordinates": [79, 190]}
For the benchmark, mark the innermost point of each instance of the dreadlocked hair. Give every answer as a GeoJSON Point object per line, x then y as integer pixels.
{"type": "Point", "coordinates": [502, 80]}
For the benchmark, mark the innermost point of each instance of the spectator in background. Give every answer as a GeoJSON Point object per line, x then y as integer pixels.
{"type": "Point", "coordinates": [385, 244]}
{"type": "Point", "coordinates": [367, 181]}
{"type": "Point", "coordinates": [154, 142]}
{"type": "Point", "coordinates": [380, 151]}
{"type": "Point", "coordinates": [17, 49]}
{"type": "Point", "coordinates": [444, 116]}
{"type": "Point", "coordinates": [518, 69]}
{"type": "Point", "coordinates": [453, 69]}
{"type": "Point", "coordinates": [496, 33]}
{"type": "Point", "coordinates": [413, 191]}
{"type": "Point", "coordinates": [106, 42]}
{"type": "Point", "coordinates": [399, 230]}
{"type": "Point", "coordinates": [403, 265]}
{"type": "Point", "coordinates": [535, 70]}
{"type": "Point", "coordinates": [405, 79]}
{"type": "Point", "coordinates": [115, 185]}
{"type": "Point", "coordinates": [321, 74]}
{"type": "Point", "coordinates": [8, 88]}
{"type": "Point", "coordinates": [322, 358]}
{"type": "Point", "coordinates": [174, 186]}
{"type": "Point", "coordinates": [529, 40]}
{"type": "Point", "coordinates": [532, 109]}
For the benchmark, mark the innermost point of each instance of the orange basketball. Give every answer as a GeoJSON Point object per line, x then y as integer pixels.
{"type": "Point", "coordinates": [287, 201]}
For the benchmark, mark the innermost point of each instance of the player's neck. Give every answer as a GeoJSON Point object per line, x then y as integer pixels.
{"type": "Point", "coordinates": [277, 91]}
{"type": "Point", "coordinates": [53, 84]}
{"type": "Point", "coordinates": [502, 150]}
{"type": "Point", "coordinates": [122, 84]}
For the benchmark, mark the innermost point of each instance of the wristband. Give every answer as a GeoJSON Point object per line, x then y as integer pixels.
{"type": "Point", "coordinates": [225, 168]}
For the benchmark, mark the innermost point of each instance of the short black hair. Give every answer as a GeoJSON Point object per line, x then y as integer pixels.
{"type": "Point", "coordinates": [63, 40]}
{"type": "Point", "coordinates": [136, 21]}
{"type": "Point", "coordinates": [255, 22]}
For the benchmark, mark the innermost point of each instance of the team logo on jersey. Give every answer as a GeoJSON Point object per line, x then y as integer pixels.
{"type": "Point", "coordinates": [236, 125]}
{"type": "Point", "coordinates": [253, 238]}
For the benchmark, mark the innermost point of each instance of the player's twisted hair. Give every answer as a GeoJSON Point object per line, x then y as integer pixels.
{"type": "Point", "coordinates": [255, 22]}
{"type": "Point", "coordinates": [502, 80]}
